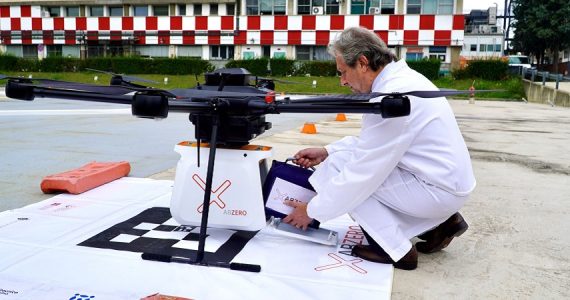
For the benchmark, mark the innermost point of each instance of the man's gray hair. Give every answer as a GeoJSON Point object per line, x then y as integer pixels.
{"type": "Point", "coordinates": [356, 41]}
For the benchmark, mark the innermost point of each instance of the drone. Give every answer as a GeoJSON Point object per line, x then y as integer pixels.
{"type": "Point", "coordinates": [227, 112]}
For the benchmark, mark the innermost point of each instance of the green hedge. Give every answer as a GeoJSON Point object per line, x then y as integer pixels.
{"type": "Point", "coordinates": [316, 68]}
{"type": "Point", "coordinates": [427, 67]}
{"type": "Point", "coordinates": [256, 66]}
{"type": "Point", "coordinates": [127, 65]}
{"type": "Point", "coordinates": [282, 66]}
{"type": "Point", "coordinates": [488, 69]}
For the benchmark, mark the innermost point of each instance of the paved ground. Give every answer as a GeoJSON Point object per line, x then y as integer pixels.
{"type": "Point", "coordinates": [517, 244]}
{"type": "Point", "coordinates": [49, 136]}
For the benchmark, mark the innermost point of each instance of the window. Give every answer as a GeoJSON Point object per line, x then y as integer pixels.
{"type": "Point", "coordinates": [213, 9]}
{"type": "Point", "coordinates": [332, 7]}
{"type": "Point", "coordinates": [160, 10]}
{"type": "Point", "coordinates": [437, 52]}
{"type": "Point", "coordinates": [265, 7]}
{"type": "Point", "coordinates": [303, 52]}
{"type": "Point", "coordinates": [445, 7]}
{"type": "Point", "coordinates": [414, 56]}
{"type": "Point", "coordinates": [442, 7]}
{"type": "Point", "coordinates": [312, 53]}
{"type": "Point", "coordinates": [329, 7]}
{"type": "Point", "coordinates": [498, 48]}
{"type": "Point", "coordinates": [96, 11]}
{"type": "Point", "coordinates": [30, 51]}
{"type": "Point", "coordinates": [54, 11]}
{"type": "Point", "coordinates": [230, 9]}
{"type": "Point", "coordinates": [490, 48]}
{"type": "Point", "coordinates": [414, 7]}
{"type": "Point", "coordinates": [54, 50]}
{"type": "Point", "coordinates": [115, 11]}
{"type": "Point", "coordinates": [72, 11]}
{"type": "Point", "coordinates": [181, 9]}
{"type": "Point", "coordinates": [221, 52]}
{"type": "Point", "coordinates": [482, 47]}
{"type": "Point", "coordinates": [197, 9]}
{"type": "Point", "coordinates": [304, 7]}
{"type": "Point", "coordinates": [565, 55]}
{"type": "Point", "coordinates": [473, 47]}
{"type": "Point", "coordinates": [140, 10]}
{"type": "Point", "coordinates": [388, 7]}
{"type": "Point", "coordinates": [360, 7]}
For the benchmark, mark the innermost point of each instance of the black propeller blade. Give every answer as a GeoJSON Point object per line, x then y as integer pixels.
{"type": "Point", "coordinates": [124, 77]}
{"type": "Point", "coordinates": [367, 97]}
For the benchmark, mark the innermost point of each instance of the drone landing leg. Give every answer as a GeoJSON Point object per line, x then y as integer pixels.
{"type": "Point", "coordinates": [206, 209]}
{"type": "Point", "coordinates": [208, 190]}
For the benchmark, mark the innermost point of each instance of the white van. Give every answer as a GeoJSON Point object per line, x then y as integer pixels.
{"type": "Point", "coordinates": [519, 61]}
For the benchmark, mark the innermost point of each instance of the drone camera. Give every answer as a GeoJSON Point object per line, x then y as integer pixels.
{"type": "Point", "coordinates": [151, 106]}
{"type": "Point", "coordinates": [19, 91]}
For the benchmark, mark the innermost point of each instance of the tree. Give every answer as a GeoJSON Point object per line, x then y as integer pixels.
{"type": "Point", "coordinates": [541, 25]}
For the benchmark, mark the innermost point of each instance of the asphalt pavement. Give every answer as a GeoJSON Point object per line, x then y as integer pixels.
{"type": "Point", "coordinates": [517, 243]}
{"type": "Point", "coordinates": [49, 136]}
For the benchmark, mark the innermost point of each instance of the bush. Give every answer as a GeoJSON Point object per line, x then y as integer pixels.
{"type": "Point", "coordinates": [316, 68]}
{"type": "Point", "coordinates": [8, 62]}
{"type": "Point", "coordinates": [488, 69]}
{"type": "Point", "coordinates": [256, 66]}
{"type": "Point", "coordinates": [427, 67]}
{"type": "Point", "coordinates": [281, 66]}
{"type": "Point", "coordinates": [126, 65]}
{"type": "Point", "coordinates": [59, 64]}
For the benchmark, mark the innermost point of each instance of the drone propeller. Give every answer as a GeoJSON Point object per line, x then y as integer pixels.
{"type": "Point", "coordinates": [123, 77]}
{"type": "Point", "coordinates": [367, 97]}
{"type": "Point", "coordinates": [280, 80]}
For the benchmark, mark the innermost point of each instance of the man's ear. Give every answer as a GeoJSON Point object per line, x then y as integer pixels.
{"type": "Point", "coordinates": [363, 62]}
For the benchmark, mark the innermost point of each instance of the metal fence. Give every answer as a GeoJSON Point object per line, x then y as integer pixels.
{"type": "Point", "coordinates": [535, 75]}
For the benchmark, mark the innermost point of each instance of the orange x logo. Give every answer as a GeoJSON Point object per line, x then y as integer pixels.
{"type": "Point", "coordinates": [215, 192]}
{"type": "Point", "coordinates": [343, 262]}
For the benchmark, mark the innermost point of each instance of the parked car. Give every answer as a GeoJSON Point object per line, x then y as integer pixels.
{"type": "Point", "coordinates": [519, 61]}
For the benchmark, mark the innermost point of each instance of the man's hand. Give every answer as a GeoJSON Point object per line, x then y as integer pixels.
{"type": "Point", "coordinates": [299, 217]}
{"type": "Point", "coordinates": [310, 157]}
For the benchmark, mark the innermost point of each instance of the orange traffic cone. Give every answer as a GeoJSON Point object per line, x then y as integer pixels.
{"type": "Point", "coordinates": [340, 117]}
{"type": "Point", "coordinates": [309, 128]}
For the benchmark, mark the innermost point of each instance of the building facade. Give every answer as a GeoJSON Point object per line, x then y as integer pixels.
{"type": "Point", "coordinates": [227, 29]}
{"type": "Point", "coordinates": [484, 38]}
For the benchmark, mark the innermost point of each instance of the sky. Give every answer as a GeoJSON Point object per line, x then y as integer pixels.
{"type": "Point", "coordinates": [468, 5]}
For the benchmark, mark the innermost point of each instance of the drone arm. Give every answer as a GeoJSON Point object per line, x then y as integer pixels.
{"type": "Point", "coordinates": [389, 107]}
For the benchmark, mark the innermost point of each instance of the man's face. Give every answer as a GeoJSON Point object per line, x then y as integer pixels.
{"type": "Point", "coordinates": [353, 77]}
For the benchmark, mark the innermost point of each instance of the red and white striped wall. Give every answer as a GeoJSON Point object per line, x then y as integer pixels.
{"type": "Point", "coordinates": [25, 25]}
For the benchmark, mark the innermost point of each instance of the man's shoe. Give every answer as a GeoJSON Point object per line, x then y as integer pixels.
{"type": "Point", "coordinates": [408, 262]}
{"type": "Point", "coordinates": [440, 237]}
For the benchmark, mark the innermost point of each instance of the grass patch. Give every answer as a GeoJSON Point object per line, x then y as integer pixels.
{"type": "Point", "coordinates": [513, 88]}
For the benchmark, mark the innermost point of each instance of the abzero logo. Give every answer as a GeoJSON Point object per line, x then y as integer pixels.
{"type": "Point", "coordinates": [282, 197]}
{"type": "Point", "coordinates": [354, 236]}
{"type": "Point", "coordinates": [341, 262]}
{"type": "Point", "coordinates": [216, 193]}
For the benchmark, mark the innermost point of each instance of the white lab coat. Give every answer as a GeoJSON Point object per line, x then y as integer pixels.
{"type": "Point", "coordinates": [401, 176]}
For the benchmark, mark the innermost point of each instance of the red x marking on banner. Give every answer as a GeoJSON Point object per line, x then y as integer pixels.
{"type": "Point", "coordinates": [342, 262]}
{"type": "Point", "coordinates": [215, 192]}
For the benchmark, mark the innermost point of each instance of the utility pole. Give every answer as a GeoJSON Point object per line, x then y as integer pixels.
{"type": "Point", "coordinates": [507, 17]}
